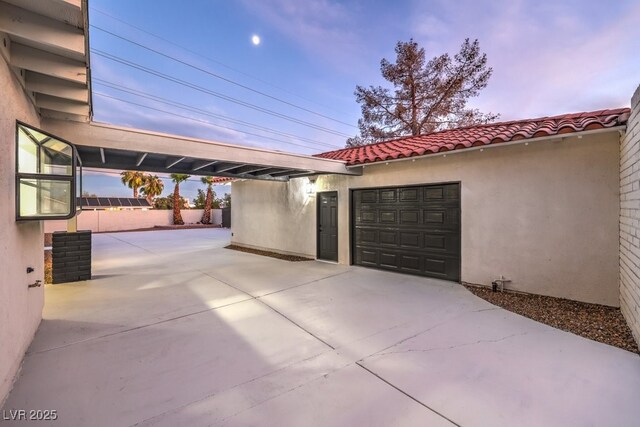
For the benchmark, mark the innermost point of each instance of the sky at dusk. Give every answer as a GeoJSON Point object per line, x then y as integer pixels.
{"type": "Point", "coordinates": [294, 90]}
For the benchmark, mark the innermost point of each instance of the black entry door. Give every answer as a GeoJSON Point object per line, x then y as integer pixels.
{"type": "Point", "coordinates": [328, 225]}
{"type": "Point", "coordinates": [409, 229]}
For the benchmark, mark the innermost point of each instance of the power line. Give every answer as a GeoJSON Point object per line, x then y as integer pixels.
{"type": "Point", "coordinates": [198, 120]}
{"type": "Point", "coordinates": [165, 101]}
{"type": "Point", "coordinates": [215, 94]}
{"type": "Point", "coordinates": [200, 55]}
{"type": "Point", "coordinates": [114, 173]}
{"type": "Point", "coordinates": [218, 76]}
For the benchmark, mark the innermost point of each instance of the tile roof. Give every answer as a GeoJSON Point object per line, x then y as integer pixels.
{"type": "Point", "coordinates": [479, 135]}
{"type": "Point", "coordinates": [222, 179]}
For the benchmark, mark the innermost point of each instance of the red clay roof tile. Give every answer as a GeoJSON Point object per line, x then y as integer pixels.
{"type": "Point", "coordinates": [474, 136]}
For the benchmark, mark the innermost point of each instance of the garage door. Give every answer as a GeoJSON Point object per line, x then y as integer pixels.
{"type": "Point", "coordinates": [408, 229]}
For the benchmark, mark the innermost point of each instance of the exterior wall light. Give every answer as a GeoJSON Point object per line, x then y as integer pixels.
{"type": "Point", "coordinates": [311, 186]}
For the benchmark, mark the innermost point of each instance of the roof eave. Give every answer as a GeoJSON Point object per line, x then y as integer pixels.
{"type": "Point", "coordinates": [619, 128]}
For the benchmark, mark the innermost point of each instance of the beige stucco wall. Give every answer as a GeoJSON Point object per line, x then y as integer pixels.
{"type": "Point", "coordinates": [101, 221]}
{"type": "Point", "coordinates": [21, 245]}
{"type": "Point", "coordinates": [630, 219]}
{"type": "Point", "coordinates": [544, 215]}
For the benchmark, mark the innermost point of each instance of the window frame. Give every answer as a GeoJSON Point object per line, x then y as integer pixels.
{"type": "Point", "coordinates": [73, 206]}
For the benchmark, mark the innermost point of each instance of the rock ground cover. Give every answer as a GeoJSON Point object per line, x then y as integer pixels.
{"type": "Point", "coordinates": [596, 322]}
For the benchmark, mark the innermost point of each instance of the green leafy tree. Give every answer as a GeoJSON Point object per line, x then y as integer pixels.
{"type": "Point", "coordinates": [167, 202]}
{"type": "Point", "coordinates": [153, 187]}
{"type": "Point", "coordinates": [177, 178]}
{"type": "Point", "coordinates": [226, 200]}
{"type": "Point", "coordinates": [133, 180]}
{"type": "Point", "coordinates": [163, 203]}
{"type": "Point", "coordinates": [198, 202]}
{"type": "Point", "coordinates": [427, 95]}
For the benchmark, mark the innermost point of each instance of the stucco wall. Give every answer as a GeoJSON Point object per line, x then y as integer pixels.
{"type": "Point", "coordinates": [21, 245]}
{"type": "Point", "coordinates": [630, 219]}
{"type": "Point", "coordinates": [278, 216]}
{"type": "Point", "coordinates": [98, 221]}
{"type": "Point", "coordinates": [544, 215]}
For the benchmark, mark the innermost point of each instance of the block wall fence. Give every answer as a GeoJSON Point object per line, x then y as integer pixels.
{"type": "Point", "coordinates": [630, 219]}
{"type": "Point", "coordinates": [101, 221]}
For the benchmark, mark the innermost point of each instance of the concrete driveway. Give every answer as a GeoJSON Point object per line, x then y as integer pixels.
{"type": "Point", "coordinates": [175, 330]}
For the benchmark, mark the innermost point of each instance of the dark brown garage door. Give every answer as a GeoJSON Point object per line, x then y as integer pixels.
{"type": "Point", "coordinates": [409, 229]}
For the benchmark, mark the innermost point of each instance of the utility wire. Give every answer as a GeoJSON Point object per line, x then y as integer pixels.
{"type": "Point", "coordinates": [200, 55]}
{"type": "Point", "coordinates": [104, 95]}
{"type": "Point", "coordinates": [213, 93]}
{"type": "Point", "coordinates": [165, 101]}
{"type": "Point", "coordinates": [218, 76]}
{"type": "Point", "coordinates": [114, 173]}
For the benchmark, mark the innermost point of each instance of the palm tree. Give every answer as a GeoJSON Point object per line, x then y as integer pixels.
{"type": "Point", "coordinates": [206, 214]}
{"type": "Point", "coordinates": [133, 179]}
{"type": "Point", "coordinates": [152, 187]}
{"type": "Point", "coordinates": [177, 178]}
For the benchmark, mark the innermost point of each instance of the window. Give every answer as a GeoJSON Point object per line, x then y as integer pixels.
{"type": "Point", "coordinates": [46, 176]}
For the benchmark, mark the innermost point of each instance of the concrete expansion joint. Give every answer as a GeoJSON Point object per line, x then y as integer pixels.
{"type": "Point", "coordinates": [249, 298]}
{"type": "Point", "coordinates": [124, 331]}
{"type": "Point", "coordinates": [419, 402]}
{"type": "Point", "coordinates": [131, 244]}
{"type": "Point", "coordinates": [258, 298]}
{"type": "Point", "coordinates": [244, 384]}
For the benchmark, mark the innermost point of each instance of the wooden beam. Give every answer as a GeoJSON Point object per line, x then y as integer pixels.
{"type": "Point", "coordinates": [47, 63]}
{"type": "Point", "coordinates": [290, 172]}
{"type": "Point", "coordinates": [36, 82]}
{"type": "Point", "coordinates": [140, 158]}
{"type": "Point", "coordinates": [42, 32]}
{"type": "Point", "coordinates": [61, 104]}
{"type": "Point", "coordinates": [68, 11]}
{"type": "Point", "coordinates": [225, 167]}
{"type": "Point", "coordinates": [270, 171]}
{"type": "Point", "coordinates": [249, 169]}
{"type": "Point", "coordinates": [122, 164]}
{"type": "Point", "coordinates": [172, 162]}
{"type": "Point", "coordinates": [229, 156]}
{"type": "Point", "coordinates": [300, 174]}
{"type": "Point", "coordinates": [200, 164]}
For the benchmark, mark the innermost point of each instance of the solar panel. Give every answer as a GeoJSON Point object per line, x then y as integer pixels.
{"type": "Point", "coordinates": [106, 202]}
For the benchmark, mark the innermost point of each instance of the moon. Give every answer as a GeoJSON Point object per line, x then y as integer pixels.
{"type": "Point", "coordinates": [255, 39]}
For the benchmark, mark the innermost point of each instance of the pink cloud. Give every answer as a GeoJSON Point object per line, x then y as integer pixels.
{"type": "Point", "coordinates": [547, 58]}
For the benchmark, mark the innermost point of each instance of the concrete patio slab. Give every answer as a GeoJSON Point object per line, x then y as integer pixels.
{"type": "Point", "coordinates": [363, 302]}
{"type": "Point", "coordinates": [348, 397]}
{"type": "Point", "coordinates": [174, 333]}
{"type": "Point", "coordinates": [124, 378]}
{"type": "Point", "coordinates": [495, 365]}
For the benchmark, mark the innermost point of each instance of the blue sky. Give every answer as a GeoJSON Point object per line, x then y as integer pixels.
{"type": "Point", "coordinates": [549, 57]}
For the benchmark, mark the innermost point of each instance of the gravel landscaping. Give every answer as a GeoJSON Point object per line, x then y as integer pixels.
{"type": "Point", "coordinates": [268, 253]}
{"type": "Point", "coordinates": [596, 322]}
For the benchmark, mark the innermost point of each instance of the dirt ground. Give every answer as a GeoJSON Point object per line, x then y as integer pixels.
{"type": "Point", "coordinates": [269, 254]}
